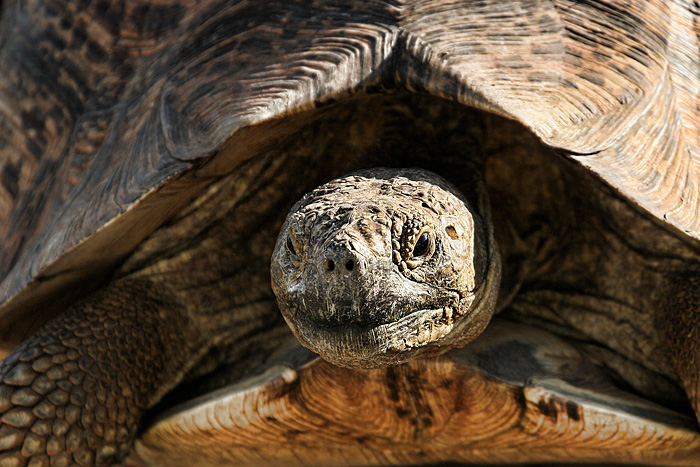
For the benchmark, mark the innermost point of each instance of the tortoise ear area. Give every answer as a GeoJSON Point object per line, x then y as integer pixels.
{"type": "Point", "coordinates": [463, 239]}
{"type": "Point", "coordinates": [480, 244]}
{"type": "Point", "coordinates": [451, 232]}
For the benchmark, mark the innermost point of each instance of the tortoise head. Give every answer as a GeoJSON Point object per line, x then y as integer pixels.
{"type": "Point", "coordinates": [385, 265]}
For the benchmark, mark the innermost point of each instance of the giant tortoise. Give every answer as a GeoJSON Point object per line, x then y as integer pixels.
{"type": "Point", "coordinates": [150, 151]}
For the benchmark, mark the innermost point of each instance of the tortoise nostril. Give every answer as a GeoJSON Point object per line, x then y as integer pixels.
{"type": "Point", "coordinates": [330, 265]}
{"type": "Point", "coordinates": [349, 265]}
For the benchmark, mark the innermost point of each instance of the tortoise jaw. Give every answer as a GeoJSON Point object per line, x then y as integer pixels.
{"type": "Point", "coordinates": [421, 333]}
{"type": "Point", "coordinates": [367, 311]}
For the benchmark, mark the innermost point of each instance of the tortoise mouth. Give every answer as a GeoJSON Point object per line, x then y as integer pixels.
{"type": "Point", "coordinates": [371, 314]}
{"type": "Point", "coordinates": [421, 333]}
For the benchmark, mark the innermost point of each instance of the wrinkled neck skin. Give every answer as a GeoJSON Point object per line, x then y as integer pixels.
{"type": "Point", "coordinates": [385, 265]}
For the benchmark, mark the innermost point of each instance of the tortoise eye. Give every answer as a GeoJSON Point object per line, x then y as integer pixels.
{"type": "Point", "coordinates": [290, 247]}
{"type": "Point", "coordinates": [422, 246]}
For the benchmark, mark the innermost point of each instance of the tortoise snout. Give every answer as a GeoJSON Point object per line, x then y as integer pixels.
{"type": "Point", "coordinates": [336, 284]}
{"type": "Point", "coordinates": [341, 258]}
{"type": "Point", "coordinates": [341, 264]}
{"type": "Point", "coordinates": [341, 269]}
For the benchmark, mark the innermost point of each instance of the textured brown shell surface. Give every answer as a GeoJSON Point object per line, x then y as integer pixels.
{"type": "Point", "coordinates": [516, 395]}
{"type": "Point", "coordinates": [107, 109]}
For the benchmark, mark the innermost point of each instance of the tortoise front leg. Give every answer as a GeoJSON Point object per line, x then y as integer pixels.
{"type": "Point", "coordinates": [74, 392]}
{"type": "Point", "coordinates": [679, 319]}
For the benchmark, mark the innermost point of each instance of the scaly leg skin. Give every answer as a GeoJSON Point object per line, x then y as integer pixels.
{"type": "Point", "coordinates": [75, 391]}
{"type": "Point", "coordinates": [680, 322]}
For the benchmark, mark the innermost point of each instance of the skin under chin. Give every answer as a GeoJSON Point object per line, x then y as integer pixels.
{"type": "Point", "coordinates": [421, 334]}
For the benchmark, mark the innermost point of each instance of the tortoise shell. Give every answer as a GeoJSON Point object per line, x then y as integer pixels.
{"type": "Point", "coordinates": [116, 115]}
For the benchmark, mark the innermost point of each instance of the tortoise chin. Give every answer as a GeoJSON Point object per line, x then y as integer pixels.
{"type": "Point", "coordinates": [423, 332]}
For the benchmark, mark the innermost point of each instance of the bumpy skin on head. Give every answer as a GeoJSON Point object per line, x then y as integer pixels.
{"type": "Point", "coordinates": [384, 265]}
